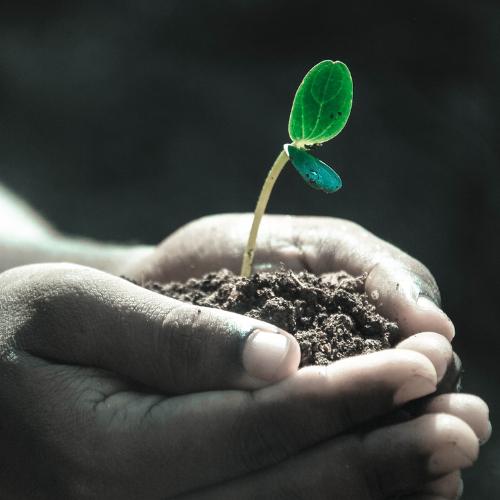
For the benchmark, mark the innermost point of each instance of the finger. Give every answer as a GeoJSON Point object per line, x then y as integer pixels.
{"type": "Point", "coordinates": [468, 407]}
{"type": "Point", "coordinates": [452, 380]}
{"type": "Point", "coordinates": [244, 431]}
{"type": "Point", "coordinates": [438, 350]}
{"type": "Point", "coordinates": [449, 486]}
{"type": "Point", "coordinates": [432, 345]}
{"type": "Point", "coordinates": [240, 431]}
{"type": "Point", "coordinates": [87, 317]}
{"type": "Point", "coordinates": [401, 287]}
{"type": "Point", "coordinates": [387, 462]}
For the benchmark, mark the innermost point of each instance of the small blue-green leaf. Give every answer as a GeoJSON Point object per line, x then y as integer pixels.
{"type": "Point", "coordinates": [315, 172]}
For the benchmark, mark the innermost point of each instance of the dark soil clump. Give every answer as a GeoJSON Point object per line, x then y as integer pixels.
{"type": "Point", "coordinates": [330, 317]}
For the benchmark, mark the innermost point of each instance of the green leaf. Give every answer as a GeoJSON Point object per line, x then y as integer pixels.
{"type": "Point", "coordinates": [322, 104]}
{"type": "Point", "coordinates": [315, 172]}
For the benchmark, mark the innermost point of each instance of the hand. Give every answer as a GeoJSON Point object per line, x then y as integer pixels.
{"type": "Point", "coordinates": [111, 391]}
{"type": "Point", "coordinates": [402, 288]}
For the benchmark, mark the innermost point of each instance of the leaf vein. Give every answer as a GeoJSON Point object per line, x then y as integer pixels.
{"type": "Point", "coordinates": [312, 134]}
{"type": "Point", "coordinates": [320, 103]}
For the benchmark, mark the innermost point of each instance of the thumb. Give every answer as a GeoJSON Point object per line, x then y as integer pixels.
{"type": "Point", "coordinates": [82, 316]}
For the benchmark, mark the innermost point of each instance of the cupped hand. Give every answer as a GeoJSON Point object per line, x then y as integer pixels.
{"type": "Point", "coordinates": [400, 286]}
{"type": "Point", "coordinates": [111, 391]}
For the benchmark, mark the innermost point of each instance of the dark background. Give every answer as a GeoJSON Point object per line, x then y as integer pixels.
{"type": "Point", "coordinates": [124, 120]}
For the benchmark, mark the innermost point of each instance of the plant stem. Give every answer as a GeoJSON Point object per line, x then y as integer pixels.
{"type": "Point", "coordinates": [280, 162]}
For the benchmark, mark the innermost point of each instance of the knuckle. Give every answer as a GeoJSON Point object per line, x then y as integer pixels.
{"type": "Point", "coordinates": [36, 300]}
{"type": "Point", "coordinates": [42, 284]}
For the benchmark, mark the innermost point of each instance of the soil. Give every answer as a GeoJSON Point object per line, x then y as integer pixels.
{"type": "Point", "coordinates": [330, 315]}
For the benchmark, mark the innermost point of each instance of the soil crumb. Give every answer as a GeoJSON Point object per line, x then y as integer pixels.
{"type": "Point", "coordinates": [330, 315]}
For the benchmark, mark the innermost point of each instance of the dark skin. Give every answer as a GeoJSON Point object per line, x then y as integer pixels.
{"type": "Point", "coordinates": [112, 391]}
{"type": "Point", "coordinates": [395, 280]}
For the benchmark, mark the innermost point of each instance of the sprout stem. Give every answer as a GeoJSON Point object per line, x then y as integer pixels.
{"type": "Point", "coordinates": [280, 162]}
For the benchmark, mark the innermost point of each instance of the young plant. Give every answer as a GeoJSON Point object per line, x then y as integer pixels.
{"type": "Point", "coordinates": [320, 110]}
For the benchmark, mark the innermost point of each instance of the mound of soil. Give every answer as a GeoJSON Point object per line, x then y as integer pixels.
{"type": "Point", "coordinates": [330, 316]}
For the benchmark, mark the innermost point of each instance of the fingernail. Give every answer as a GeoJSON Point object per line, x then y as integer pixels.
{"type": "Point", "coordinates": [423, 302]}
{"type": "Point", "coordinates": [448, 459]}
{"type": "Point", "coordinates": [416, 387]}
{"type": "Point", "coordinates": [264, 354]}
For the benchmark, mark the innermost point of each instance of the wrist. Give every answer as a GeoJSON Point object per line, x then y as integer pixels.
{"type": "Point", "coordinates": [109, 257]}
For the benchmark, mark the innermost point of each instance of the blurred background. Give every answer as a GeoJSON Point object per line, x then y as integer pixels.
{"type": "Point", "coordinates": [123, 120]}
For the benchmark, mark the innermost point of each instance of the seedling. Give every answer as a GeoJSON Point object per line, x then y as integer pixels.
{"type": "Point", "coordinates": [320, 110]}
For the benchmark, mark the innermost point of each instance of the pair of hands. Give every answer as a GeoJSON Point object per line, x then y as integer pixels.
{"type": "Point", "coordinates": [112, 391]}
